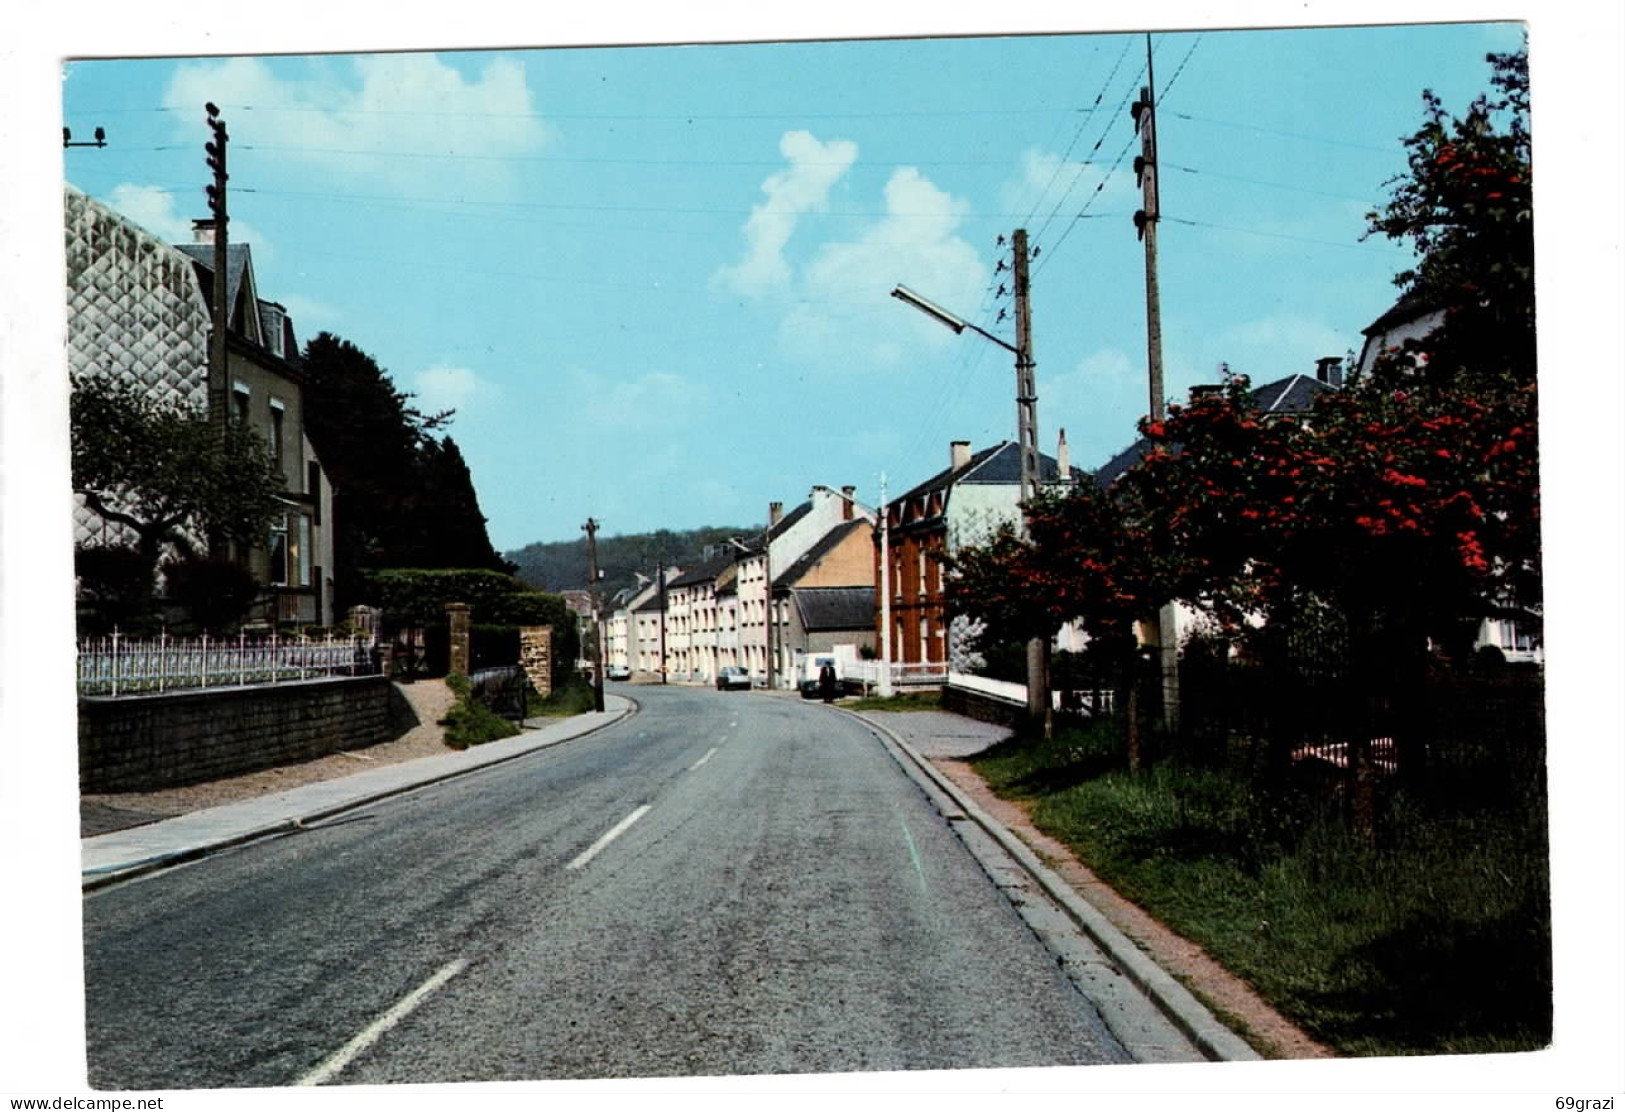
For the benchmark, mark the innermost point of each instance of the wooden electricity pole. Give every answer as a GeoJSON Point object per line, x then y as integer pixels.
{"type": "Point", "coordinates": [1146, 220]}
{"type": "Point", "coordinates": [215, 152]}
{"type": "Point", "coordinates": [1038, 696]}
{"type": "Point", "coordinates": [591, 529]}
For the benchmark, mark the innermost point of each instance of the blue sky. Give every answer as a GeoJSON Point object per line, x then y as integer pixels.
{"type": "Point", "coordinates": [575, 248]}
{"type": "Point", "coordinates": [653, 280]}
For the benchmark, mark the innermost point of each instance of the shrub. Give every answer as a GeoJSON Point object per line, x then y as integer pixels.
{"type": "Point", "coordinates": [470, 722]}
{"type": "Point", "coordinates": [574, 696]}
{"type": "Point", "coordinates": [215, 592]}
{"type": "Point", "coordinates": [115, 589]}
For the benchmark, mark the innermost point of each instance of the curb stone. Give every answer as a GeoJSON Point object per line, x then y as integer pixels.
{"type": "Point", "coordinates": [102, 876]}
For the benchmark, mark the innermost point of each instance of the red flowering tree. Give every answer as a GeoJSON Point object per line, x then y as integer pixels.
{"type": "Point", "coordinates": [1086, 557]}
{"type": "Point", "coordinates": [1406, 504]}
{"type": "Point", "coordinates": [1414, 513]}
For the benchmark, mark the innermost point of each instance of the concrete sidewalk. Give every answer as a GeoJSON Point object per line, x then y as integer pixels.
{"type": "Point", "coordinates": [121, 854]}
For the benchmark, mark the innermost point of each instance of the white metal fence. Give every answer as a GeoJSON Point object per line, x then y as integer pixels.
{"type": "Point", "coordinates": [118, 665]}
{"type": "Point", "coordinates": [1087, 702]}
{"type": "Point", "coordinates": [902, 675]}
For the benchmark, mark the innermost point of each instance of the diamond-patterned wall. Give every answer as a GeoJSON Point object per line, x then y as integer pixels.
{"type": "Point", "coordinates": [134, 310]}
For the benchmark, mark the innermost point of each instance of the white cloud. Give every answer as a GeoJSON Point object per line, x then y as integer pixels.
{"type": "Point", "coordinates": [1274, 346]}
{"type": "Point", "coordinates": [847, 285]}
{"type": "Point", "coordinates": [309, 315]}
{"type": "Point", "coordinates": [363, 120]}
{"type": "Point", "coordinates": [443, 387]}
{"type": "Point", "coordinates": [1047, 185]}
{"type": "Point", "coordinates": [804, 186]}
{"type": "Point", "coordinates": [1096, 401]}
{"type": "Point", "coordinates": [154, 208]}
{"type": "Point", "coordinates": [658, 400]}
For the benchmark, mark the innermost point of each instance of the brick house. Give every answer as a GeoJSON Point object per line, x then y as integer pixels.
{"type": "Point", "coordinates": [965, 504]}
{"type": "Point", "coordinates": [828, 593]}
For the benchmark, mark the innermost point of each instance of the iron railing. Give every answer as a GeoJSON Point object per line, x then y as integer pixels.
{"type": "Point", "coordinates": [118, 665]}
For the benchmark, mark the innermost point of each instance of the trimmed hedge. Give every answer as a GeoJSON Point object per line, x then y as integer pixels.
{"type": "Point", "coordinates": [498, 605]}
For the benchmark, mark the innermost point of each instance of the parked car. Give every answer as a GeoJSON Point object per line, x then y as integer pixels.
{"type": "Point", "coordinates": [618, 672]}
{"type": "Point", "coordinates": [731, 677]}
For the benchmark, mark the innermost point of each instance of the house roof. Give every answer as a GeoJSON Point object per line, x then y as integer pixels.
{"type": "Point", "coordinates": [1412, 306]}
{"type": "Point", "coordinates": [653, 603]}
{"type": "Point", "coordinates": [835, 608]}
{"type": "Point", "coordinates": [1292, 394]}
{"type": "Point", "coordinates": [998, 465]}
{"type": "Point", "coordinates": [809, 559]}
{"type": "Point", "coordinates": [790, 519]}
{"type": "Point", "coordinates": [239, 260]}
{"type": "Point", "coordinates": [704, 572]}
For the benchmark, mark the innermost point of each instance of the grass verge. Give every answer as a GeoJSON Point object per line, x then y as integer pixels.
{"type": "Point", "coordinates": [911, 702]}
{"type": "Point", "coordinates": [1433, 937]}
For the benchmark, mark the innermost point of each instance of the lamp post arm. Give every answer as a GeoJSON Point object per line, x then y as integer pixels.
{"type": "Point", "coordinates": [1011, 348]}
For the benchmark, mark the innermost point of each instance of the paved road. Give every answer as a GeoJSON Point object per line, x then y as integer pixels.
{"type": "Point", "coordinates": [724, 883]}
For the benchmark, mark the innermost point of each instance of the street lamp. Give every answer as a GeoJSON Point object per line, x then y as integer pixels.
{"type": "Point", "coordinates": [938, 313]}
{"type": "Point", "coordinates": [1038, 699]}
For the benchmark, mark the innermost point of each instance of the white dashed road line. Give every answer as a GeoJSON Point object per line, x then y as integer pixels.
{"type": "Point", "coordinates": [708, 755]}
{"type": "Point", "coordinates": [334, 1065]}
{"type": "Point", "coordinates": [619, 829]}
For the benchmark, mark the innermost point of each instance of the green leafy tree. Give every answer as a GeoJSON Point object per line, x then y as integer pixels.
{"type": "Point", "coordinates": [403, 495]}
{"type": "Point", "coordinates": [166, 472]}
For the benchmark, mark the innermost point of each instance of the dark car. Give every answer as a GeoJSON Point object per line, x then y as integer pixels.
{"type": "Point", "coordinates": [732, 677]}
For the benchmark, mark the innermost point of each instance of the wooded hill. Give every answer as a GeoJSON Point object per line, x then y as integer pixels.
{"type": "Point", "coordinates": [562, 565]}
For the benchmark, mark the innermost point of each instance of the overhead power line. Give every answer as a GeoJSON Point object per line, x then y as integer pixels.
{"type": "Point", "coordinates": [790, 114]}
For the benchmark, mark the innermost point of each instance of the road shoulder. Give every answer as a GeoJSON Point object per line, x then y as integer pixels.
{"type": "Point", "coordinates": [1228, 996]}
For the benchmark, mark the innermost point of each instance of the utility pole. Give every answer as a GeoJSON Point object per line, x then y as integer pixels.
{"type": "Point", "coordinates": [885, 594]}
{"type": "Point", "coordinates": [1146, 168]}
{"type": "Point", "coordinates": [215, 156]}
{"type": "Point", "coordinates": [1038, 697]}
{"type": "Point", "coordinates": [591, 529]}
{"type": "Point", "coordinates": [1026, 387]}
{"type": "Point", "coordinates": [662, 574]}
{"type": "Point", "coordinates": [767, 574]}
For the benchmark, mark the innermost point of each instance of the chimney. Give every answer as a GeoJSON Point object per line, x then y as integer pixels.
{"type": "Point", "coordinates": [203, 230]}
{"type": "Point", "coordinates": [1330, 371]}
{"type": "Point", "coordinates": [958, 454]}
{"type": "Point", "coordinates": [775, 513]}
{"type": "Point", "coordinates": [847, 496]}
{"type": "Point", "coordinates": [1063, 459]}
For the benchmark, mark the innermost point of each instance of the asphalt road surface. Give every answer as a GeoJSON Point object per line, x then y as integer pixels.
{"type": "Point", "coordinates": [723, 883]}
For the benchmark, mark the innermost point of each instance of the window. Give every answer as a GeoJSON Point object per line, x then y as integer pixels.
{"type": "Point", "coordinates": [313, 487]}
{"type": "Point", "coordinates": [239, 399]}
{"type": "Point", "coordinates": [277, 451]}
{"type": "Point", "coordinates": [277, 573]}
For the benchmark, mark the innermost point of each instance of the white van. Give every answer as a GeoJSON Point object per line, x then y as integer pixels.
{"type": "Point", "coordinates": [812, 665]}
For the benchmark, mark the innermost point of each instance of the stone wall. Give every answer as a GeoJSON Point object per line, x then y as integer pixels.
{"type": "Point", "coordinates": [147, 742]}
{"type": "Point", "coordinates": [982, 707]}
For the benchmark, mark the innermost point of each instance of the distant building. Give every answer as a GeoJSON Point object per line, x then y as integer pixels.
{"type": "Point", "coordinates": [963, 505]}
